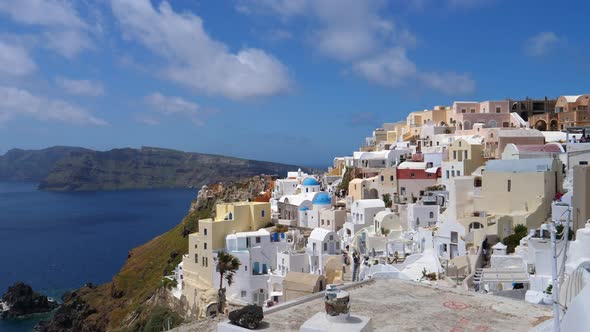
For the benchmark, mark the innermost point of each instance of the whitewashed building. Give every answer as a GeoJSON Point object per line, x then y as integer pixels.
{"type": "Point", "coordinates": [257, 252]}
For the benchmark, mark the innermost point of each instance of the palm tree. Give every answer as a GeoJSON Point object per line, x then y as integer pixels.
{"type": "Point", "coordinates": [227, 265]}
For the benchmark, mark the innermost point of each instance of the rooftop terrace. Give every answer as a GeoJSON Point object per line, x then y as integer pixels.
{"type": "Point", "coordinates": [396, 305]}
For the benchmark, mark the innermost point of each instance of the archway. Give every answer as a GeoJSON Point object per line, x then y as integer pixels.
{"type": "Point", "coordinates": [553, 125]}
{"type": "Point", "coordinates": [373, 194]}
{"type": "Point", "coordinates": [541, 125]}
{"type": "Point", "coordinates": [475, 225]}
{"type": "Point", "coordinates": [492, 124]}
{"type": "Point", "coordinates": [467, 125]}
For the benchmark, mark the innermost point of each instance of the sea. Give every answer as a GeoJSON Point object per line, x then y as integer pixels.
{"type": "Point", "coordinates": [57, 241]}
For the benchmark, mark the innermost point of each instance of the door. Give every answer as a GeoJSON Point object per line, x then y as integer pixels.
{"type": "Point", "coordinates": [454, 251]}
{"type": "Point", "coordinates": [264, 270]}
{"type": "Point", "coordinates": [259, 297]}
{"type": "Point", "coordinates": [331, 248]}
{"type": "Point", "coordinates": [256, 269]}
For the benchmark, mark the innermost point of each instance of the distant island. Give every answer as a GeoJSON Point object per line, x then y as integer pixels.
{"type": "Point", "coordinates": [63, 168]}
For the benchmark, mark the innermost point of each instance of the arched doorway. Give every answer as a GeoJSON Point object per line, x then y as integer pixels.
{"type": "Point", "coordinates": [373, 194]}
{"type": "Point", "coordinates": [541, 125]}
{"type": "Point", "coordinates": [553, 125]}
{"type": "Point", "coordinates": [475, 225]}
{"type": "Point", "coordinates": [467, 125]}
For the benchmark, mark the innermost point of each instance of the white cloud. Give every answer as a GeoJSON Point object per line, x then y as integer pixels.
{"type": "Point", "coordinates": [394, 69]}
{"type": "Point", "coordinates": [358, 34]}
{"type": "Point", "coordinates": [391, 68]}
{"type": "Point", "coordinates": [541, 43]}
{"type": "Point", "coordinates": [15, 60]}
{"type": "Point", "coordinates": [279, 34]}
{"type": "Point", "coordinates": [15, 102]}
{"type": "Point", "coordinates": [171, 105]}
{"type": "Point", "coordinates": [63, 29]}
{"type": "Point", "coordinates": [449, 83]}
{"type": "Point", "coordinates": [148, 119]}
{"type": "Point", "coordinates": [81, 87]}
{"type": "Point", "coordinates": [193, 58]}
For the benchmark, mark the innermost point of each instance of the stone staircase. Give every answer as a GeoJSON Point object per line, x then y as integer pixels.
{"type": "Point", "coordinates": [477, 276]}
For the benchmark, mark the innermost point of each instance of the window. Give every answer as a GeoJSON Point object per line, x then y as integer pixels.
{"type": "Point", "coordinates": [453, 173]}
{"type": "Point", "coordinates": [328, 222]}
{"type": "Point", "coordinates": [382, 178]}
{"type": "Point", "coordinates": [454, 237]}
{"type": "Point", "coordinates": [447, 174]}
{"type": "Point", "coordinates": [458, 173]}
{"type": "Point", "coordinates": [412, 174]}
{"type": "Point", "coordinates": [258, 239]}
{"type": "Point", "coordinates": [473, 110]}
{"type": "Point", "coordinates": [463, 110]}
{"type": "Point", "coordinates": [205, 231]}
{"type": "Point", "coordinates": [195, 246]}
{"type": "Point", "coordinates": [205, 245]}
{"type": "Point", "coordinates": [325, 247]}
{"type": "Point", "coordinates": [331, 237]}
{"type": "Point", "coordinates": [465, 154]}
{"type": "Point", "coordinates": [402, 190]}
{"type": "Point", "coordinates": [459, 143]}
{"type": "Point", "coordinates": [431, 215]}
{"type": "Point", "coordinates": [391, 178]}
{"type": "Point", "coordinates": [498, 109]}
{"type": "Point", "coordinates": [454, 154]}
{"type": "Point", "coordinates": [243, 293]}
{"type": "Point", "coordinates": [509, 185]}
{"type": "Point", "coordinates": [245, 267]}
{"type": "Point", "coordinates": [196, 259]}
{"type": "Point", "coordinates": [262, 213]}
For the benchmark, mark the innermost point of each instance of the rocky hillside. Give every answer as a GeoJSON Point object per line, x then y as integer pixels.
{"type": "Point", "coordinates": [33, 165]}
{"type": "Point", "coordinates": [130, 301]}
{"type": "Point", "coordinates": [150, 168]}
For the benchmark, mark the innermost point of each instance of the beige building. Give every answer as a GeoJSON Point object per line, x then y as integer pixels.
{"type": "Point", "coordinates": [297, 284]}
{"type": "Point", "coordinates": [497, 139]}
{"type": "Point", "coordinates": [385, 182]}
{"type": "Point", "coordinates": [581, 196]}
{"type": "Point", "coordinates": [520, 191]}
{"type": "Point", "coordinates": [199, 264]}
{"type": "Point", "coordinates": [572, 111]}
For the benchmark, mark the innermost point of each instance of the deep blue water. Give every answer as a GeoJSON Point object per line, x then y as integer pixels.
{"type": "Point", "coordinates": [59, 241]}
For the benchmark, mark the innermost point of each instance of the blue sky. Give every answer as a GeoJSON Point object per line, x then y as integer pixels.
{"type": "Point", "coordinates": [297, 81]}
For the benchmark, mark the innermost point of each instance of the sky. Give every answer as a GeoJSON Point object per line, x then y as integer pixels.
{"type": "Point", "coordinates": [294, 81]}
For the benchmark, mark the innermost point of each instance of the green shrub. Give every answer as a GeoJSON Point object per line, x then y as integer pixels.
{"type": "Point", "coordinates": [159, 318]}
{"type": "Point", "coordinates": [512, 241]}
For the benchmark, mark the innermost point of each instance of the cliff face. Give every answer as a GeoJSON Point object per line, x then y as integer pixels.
{"type": "Point", "coordinates": [129, 301]}
{"type": "Point", "coordinates": [150, 168]}
{"type": "Point", "coordinates": [32, 165]}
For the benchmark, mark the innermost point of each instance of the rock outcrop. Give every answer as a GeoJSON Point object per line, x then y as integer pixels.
{"type": "Point", "coordinates": [72, 316]}
{"type": "Point", "coordinates": [249, 316]}
{"type": "Point", "coordinates": [20, 300]}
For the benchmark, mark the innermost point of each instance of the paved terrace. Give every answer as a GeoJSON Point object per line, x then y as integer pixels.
{"type": "Point", "coordinates": [396, 305]}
